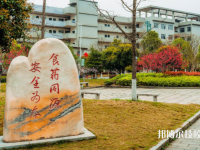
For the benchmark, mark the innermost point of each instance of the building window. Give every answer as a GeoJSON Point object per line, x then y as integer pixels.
{"type": "Point", "coordinates": [125, 27]}
{"type": "Point", "coordinates": [73, 19]}
{"type": "Point", "coordinates": [54, 31]}
{"type": "Point", "coordinates": [73, 32]}
{"type": "Point", "coordinates": [108, 25]}
{"type": "Point", "coordinates": [130, 27]}
{"type": "Point", "coordinates": [163, 36]}
{"type": "Point", "coordinates": [117, 27]}
{"type": "Point", "coordinates": [182, 30]}
{"type": "Point", "coordinates": [137, 25]}
{"type": "Point", "coordinates": [37, 17]}
{"type": "Point", "coordinates": [170, 27]}
{"type": "Point", "coordinates": [66, 19]}
{"type": "Point", "coordinates": [61, 31]}
{"type": "Point", "coordinates": [105, 25]}
{"type": "Point", "coordinates": [117, 36]}
{"type": "Point", "coordinates": [106, 36]}
{"type": "Point", "coordinates": [50, 31]}
{"type": "Point", "coordinates": [50, 18]}
{"type": "Point", "coordinates": [67, 31]}
{"type": "Point", "coordinates": [156, 25]}
{"type": "Point", "coordinates": [170, 37]}
{"type": "Point", "coordinates": [54, 19]}
{"type": "Point", "coordinates": [106, 46]}
{"type": "Point", "coordinates": [188, 29]}
{"type": "Point", "coordinates": [162, 26]}
{"type": "Point", "coordinates": [61, 19]}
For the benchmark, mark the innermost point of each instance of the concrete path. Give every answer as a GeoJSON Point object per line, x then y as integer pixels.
{"type": "Point", "coordinates": [181, 96]}
{"type": "Point", "coordinates": [187, 143]}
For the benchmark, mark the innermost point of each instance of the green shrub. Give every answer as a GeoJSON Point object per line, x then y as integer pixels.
{"type": "Point", "coordinates": [129, 68]}
{"type": "Point", "coordinates": [124, 81]}
{"type": "Point", "coordinates": [114, 79]}
{"type": "Point", "coordinates": [3, 79]}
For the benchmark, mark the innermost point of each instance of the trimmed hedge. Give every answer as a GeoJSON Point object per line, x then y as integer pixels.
{"type": "Point", "coordinates": [182, 81]}
{"type": "Point", "coordinates": [158, 79]}
{"type": "Point", "coordinates": [113, 80]}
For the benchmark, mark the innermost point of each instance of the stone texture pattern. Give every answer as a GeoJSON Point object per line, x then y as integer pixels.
{"type": "Point", "coordinates": [43, 95]}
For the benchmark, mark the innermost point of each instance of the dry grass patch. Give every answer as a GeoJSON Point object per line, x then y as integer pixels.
{"type": "Point", "coordinates": [94, 82]}
{"type": "Point", "coordinates": [126, 124]}
{"type": "Point", "coordinates": [3, 87]}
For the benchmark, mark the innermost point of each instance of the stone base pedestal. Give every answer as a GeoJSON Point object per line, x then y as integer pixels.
{"type": "Point", "coordinates": [86, 136]}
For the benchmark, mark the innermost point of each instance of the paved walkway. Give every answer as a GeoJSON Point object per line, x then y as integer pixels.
{"type": "Point", "coordinates": [181, 96]}
{"type": "Point", "coordinates": [187, 143]}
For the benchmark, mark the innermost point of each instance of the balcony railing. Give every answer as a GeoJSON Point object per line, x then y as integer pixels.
{"type": "Point", "coordinates": [68, 23]}
{"type": "Point", "coordinates": [109, 40]}
{"type": "Point", "coordinates": [69, 36]}
{"type": "Point", "coordinates": [117, 30]}
{"type": "Point", "coordinates": [69, 10]}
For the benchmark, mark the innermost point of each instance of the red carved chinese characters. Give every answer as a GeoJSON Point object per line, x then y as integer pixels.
{"type": "Point", "coordinates": [54, 88]}
{"type": "Point", "coordinates": [35, 113]}
{"type": "Point", "coordinates": [54, 57]}
{"type": "Point", "coordinates": [35, 67]}
{"type": "Point", "coordinates": [36, 97]}
{"type": "Point", "coordinates": [54, 75]}
{"type": "Point", "coordinates": [36, 82]}
{"type": "Point", "coordinates": [55, 104]}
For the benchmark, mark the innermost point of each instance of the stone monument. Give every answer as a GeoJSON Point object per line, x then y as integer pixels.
{"type": "Point", "coordinates": [43, 95]}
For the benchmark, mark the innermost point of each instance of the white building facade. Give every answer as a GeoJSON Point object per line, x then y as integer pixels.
{"type": "Point", "coordinates": [81, 25]}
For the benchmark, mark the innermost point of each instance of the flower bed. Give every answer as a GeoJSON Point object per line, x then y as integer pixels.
{"type": "Point", "coordinates": [179, 73]}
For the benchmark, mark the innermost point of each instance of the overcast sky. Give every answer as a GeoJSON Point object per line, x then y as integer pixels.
{"type": "Point", "coordinates": [114, 5]}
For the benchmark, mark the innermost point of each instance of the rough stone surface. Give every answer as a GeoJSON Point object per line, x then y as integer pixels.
{"type": "Point", "coordinates": [43, 95]}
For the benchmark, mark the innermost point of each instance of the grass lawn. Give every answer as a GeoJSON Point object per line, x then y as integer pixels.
{"type": "Point", "coordinates": [95, 82]}
{"type": "Point", "coordinates": [123, 124]}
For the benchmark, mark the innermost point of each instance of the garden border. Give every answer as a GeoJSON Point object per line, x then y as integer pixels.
{"type": "Point", "coordinates": [185, 125]}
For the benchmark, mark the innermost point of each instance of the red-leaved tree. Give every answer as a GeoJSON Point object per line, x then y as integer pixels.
{"type": "Point", "coordinates": [15, 50]}
{"type": "Point", "coordinates": [168, 58]}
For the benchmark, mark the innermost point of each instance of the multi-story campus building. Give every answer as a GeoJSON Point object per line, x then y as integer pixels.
{"type": "Point", "coordinates": [81, 25]}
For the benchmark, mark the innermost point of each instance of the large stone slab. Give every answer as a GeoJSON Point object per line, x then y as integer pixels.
{"type": "Point", "coordinates": [87, 135]}
{"type": "Point", "coordinates": [43, 95]}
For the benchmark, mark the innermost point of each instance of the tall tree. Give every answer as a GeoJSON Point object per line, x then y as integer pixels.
{"type": "Point", "coordinates": [14, 17]}
{"type": "Point", "coordinates": [43, 18]}
{"type": "Point", "coordinates": [94, 60]}
{"type": "Point", "coordinates": [151, 42]}
{"type": "Point", "coordinates": [131, 37]}
{"type": "Point", "coordinates": [190, 50]}
{"type": "Point", "coordinates": [117, 56]}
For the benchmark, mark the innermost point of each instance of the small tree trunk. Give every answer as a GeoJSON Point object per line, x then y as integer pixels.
{"type": "Point", "coordinates": [192, 67]}
{"type": "Point", "coordinates": [134, 61]}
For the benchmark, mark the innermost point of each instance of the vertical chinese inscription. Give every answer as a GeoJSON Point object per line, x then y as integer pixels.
{"type": "Point", "coordinates": [54, 88]}
{"type": "Point", "coordinates": [35, 83]}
